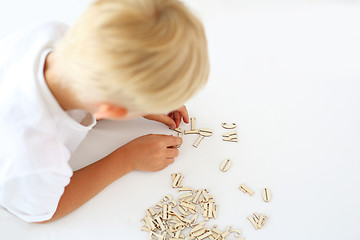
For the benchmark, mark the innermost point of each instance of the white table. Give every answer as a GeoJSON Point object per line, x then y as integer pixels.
{"type": "Point", "coordinates": [290, 79]}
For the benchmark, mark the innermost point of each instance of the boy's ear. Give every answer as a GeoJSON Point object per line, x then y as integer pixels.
{"type": "Point", "coordinates": [110, 111]}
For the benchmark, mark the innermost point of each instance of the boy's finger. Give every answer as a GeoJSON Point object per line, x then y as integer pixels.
{"type": "Point", "coordinates": [177, 118]}
{"type": "Point", "coordinates": [165, 119]}
{"type": "Point", "coordinates": [172, 152]}
{"type": "Point", "coordinates": [168, 121]}
{"type": "Point", "coordinates": [169, 161]}
{"type": "Point", "coordinates": [184, 113]}
{"type": "Point", "coordinates": [172, 141]}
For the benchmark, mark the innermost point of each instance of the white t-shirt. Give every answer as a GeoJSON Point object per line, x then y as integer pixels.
{"type": "Point", "coordinates": [37, 137]}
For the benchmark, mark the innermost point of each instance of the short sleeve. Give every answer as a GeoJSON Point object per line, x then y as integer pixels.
{"type": "Point", "coordinates": [34, 198]}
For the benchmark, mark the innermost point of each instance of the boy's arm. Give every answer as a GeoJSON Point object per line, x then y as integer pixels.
{"type": "Point", "coordinates": [146, 153]}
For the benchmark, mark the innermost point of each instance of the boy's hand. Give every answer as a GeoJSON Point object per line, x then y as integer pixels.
{"type": "Point", "coordinates": [151, 152]}
{"type": "Point", "coordinates": [173, 119]}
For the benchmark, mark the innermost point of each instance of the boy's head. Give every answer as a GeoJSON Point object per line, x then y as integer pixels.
{"type": "Point", "coordinates": [148, 56]}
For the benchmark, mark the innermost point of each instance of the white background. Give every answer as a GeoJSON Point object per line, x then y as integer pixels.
{"type": "Point", "coordinates": [287, 72]}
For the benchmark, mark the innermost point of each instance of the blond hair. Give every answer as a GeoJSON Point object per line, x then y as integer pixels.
{"type": "Point", "coordinates": [149, 56]}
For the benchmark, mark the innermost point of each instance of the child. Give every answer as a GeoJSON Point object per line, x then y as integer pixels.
{"type": "Point", "coordinates": [122, 59]}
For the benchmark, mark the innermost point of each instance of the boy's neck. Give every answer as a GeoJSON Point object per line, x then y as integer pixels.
{"type": "Point", "coordinates": [63, 95]}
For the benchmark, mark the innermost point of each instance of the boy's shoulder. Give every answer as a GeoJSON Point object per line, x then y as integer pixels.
{"type": "Point", "coordinates": [37, 28]}
{"type": "Point", "coordinates": [39, 136]}
{"type": "Point", "coordinates": [32, 34]}
{"type": "Point", "coordinates": [17, 44]}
